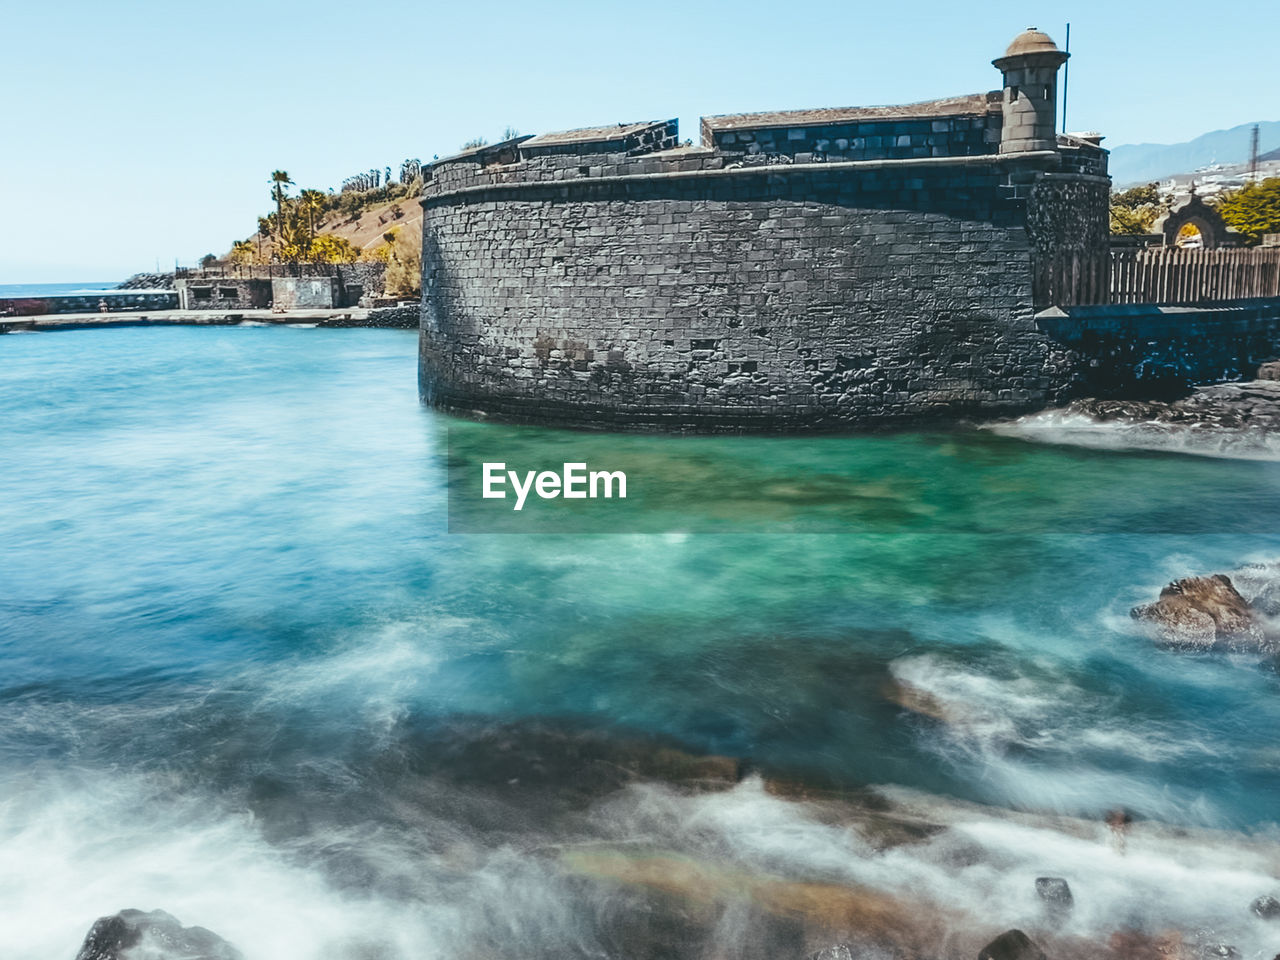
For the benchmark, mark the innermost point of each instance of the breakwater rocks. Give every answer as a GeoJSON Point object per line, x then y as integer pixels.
{"type": "Point", "coordinates": [148, 281]}
{"type": "Point", "coordinates": [1236, 613]}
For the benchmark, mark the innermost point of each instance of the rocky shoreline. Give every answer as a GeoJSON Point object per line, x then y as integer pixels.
{"type": "Point", "coordinates": [1235, 420]}
{"type": "Point", "coordinates": [1249, 404]}
{"type": "Point", "coordinates": [661, 899]}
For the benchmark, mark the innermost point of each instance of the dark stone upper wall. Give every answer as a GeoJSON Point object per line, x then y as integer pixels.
{"type": "Point", "coordinates": [955, 127]}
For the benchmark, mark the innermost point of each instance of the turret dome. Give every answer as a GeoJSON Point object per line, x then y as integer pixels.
{"type": "Point", "coordinates": [1031, 40]}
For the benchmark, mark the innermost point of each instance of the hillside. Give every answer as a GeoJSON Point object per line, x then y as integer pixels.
{"type": "Point", "coordinates": [1144, 162]}
{"type": "Point", "coordinates": [366, 231]}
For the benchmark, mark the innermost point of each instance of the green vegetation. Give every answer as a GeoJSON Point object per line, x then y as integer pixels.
{"type": "Point", "coordinates": [331, 249]}
{"type": "Point", "coordinates": [1135, 211]}
{"type": "Point", "coordinates": [1253, 210]}
{"type": "Point", "coordinates": [291, 231]}
{"type": "Point", "coordinates": [404, 265]}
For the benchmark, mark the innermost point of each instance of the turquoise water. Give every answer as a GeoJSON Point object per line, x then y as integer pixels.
{"type": "Point", "coordinates": [251, 678]}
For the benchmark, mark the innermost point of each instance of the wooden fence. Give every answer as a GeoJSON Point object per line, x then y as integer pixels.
{"type": "Point", "coordinates": [1172, 275]}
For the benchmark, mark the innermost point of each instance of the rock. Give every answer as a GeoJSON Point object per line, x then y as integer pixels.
{"type": "Point", "coordinates": [1201, 613]}
{"type": "Point", "coordinates": [837, 951]}
{"type": "Point", "coordinates": [1247, 407]}
{"type": "Point", "coordinates": [1267, 601]}
{"type": "Point", "coordinates": [1134, 945]}
{"type": "Point", "coordinates": [1011, 945]}
{"type": "Point", "coordinates": [1269, 371]}
{"type": "Point", "coordinates": [1055, 892]}
{"type": "Point", "coordinates": [1266, 907]}
{"type": "Point", "coordinates": [159, 935]}
{"type": "Point", "coordinates": [148, 281]}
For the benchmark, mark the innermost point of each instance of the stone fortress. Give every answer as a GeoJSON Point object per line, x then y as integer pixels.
{"type": "Point", "coordinates": [801, 269]}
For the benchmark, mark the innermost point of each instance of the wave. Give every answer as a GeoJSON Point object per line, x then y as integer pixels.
{"type": "Point", "coordinates": [645, 871]}
{"type": "Point", "coordinates": [1043, 743]}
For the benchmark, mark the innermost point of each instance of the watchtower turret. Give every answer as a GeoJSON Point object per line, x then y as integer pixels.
{"type": "Point", "coordinates": [1030, 68]}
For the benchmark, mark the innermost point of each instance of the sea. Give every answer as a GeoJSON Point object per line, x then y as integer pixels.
{"type": "Point", "coordinates": [839, 692]}
{"type": "Point", "coordinates": [36, 290]}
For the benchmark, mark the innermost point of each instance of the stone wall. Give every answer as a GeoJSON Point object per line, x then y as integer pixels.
{"type": "Point", "coordinates": [861, 135]}
{"type": "Point", "coordinates": [360, 282]}
{"type": "Point", "coordinates": [223, 293]}
{"type": "Point", "coordinates": [1145, 350]}
{"type": "Point", "coordinates": [249, 287]}
{"type": "Point", "coordinates": [305, 293]}
{"type": "Point", "coordinates": [814, 295]}
{"type": "Point", "coordinates": [1068, 225]}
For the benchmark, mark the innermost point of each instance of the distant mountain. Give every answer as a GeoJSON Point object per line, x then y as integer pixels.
{"type": "Point", "coordinates": [1144, 162]}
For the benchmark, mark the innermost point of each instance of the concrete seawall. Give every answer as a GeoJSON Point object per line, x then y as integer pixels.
{"type": "Point", "coordinates": [400, 318]}
{"type": "Point", "coordinates": [117, 302]}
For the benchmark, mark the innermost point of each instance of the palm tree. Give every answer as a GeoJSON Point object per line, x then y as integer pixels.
{"type": "Point", "coordinates": [312, 202]}
{"type": "Point", "coordinates": [242, 252]}
{"type": "Point", "coordinates": [264, 229]}
{"type": "Point", "coordinates": [279, 180]}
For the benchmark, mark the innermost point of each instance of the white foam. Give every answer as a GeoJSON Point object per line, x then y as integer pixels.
{"type": "Point", "coordinates": [87, 847]}
{"type": "Point", "coordinates": [983, 863]}
{"type": "Point", "coordinates": [1077, 429]}
{"type": "Point", "coordinates": [1041, 743]}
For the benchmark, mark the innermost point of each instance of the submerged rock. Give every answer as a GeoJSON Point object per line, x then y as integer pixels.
{"type": "Point", "coordinates": [1135, 945]}
{"type": "Point", "coordinates": [1055, 892]}
{"type": "Point", "coordinates": [1218, 951]}
{"type": "Point", "coordinates": [1011, 945]}
{"type": "Point", "coordinates": [1267, 602]}
{"type": "Point", "coordinates": [1201, 613]}
{"type": "Point", "coordinates": [837, 951]}
{"type": "Point", "coordinates": [136, 935]}
{"type": "Point", "coordinates": [1266, 907]}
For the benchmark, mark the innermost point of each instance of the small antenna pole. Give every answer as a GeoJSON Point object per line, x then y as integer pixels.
{"type": "Point", "coordinates": [1066, 78]}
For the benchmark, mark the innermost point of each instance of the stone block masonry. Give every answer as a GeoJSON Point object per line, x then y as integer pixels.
{"type": "Point", "coordinates": [804, 270]}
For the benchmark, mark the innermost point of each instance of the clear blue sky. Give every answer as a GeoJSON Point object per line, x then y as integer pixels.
{"type": "Point", "coordinates": [141, 131]}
